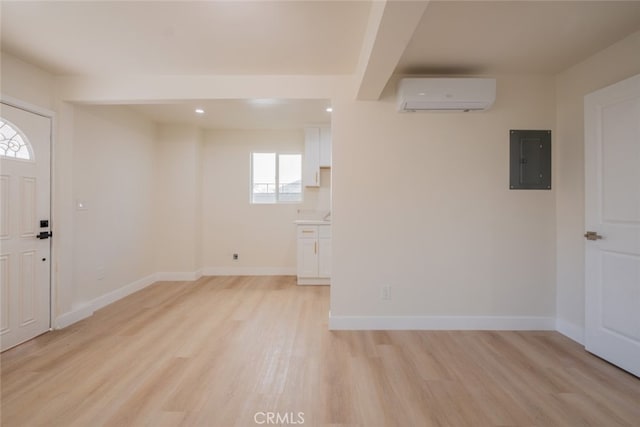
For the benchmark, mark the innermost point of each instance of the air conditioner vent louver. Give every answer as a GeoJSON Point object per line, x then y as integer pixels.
{"type": "Point", "coordinates": [446, 94]}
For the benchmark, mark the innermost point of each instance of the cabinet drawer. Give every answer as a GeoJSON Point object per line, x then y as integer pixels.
{"type": "Point", "coordinates": [307, 231]}
{"type": "Point", "coordinates": [324, 231]}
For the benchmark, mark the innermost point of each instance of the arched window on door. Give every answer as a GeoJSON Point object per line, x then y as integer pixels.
{"type": "Point", "coordinates": [13, 143]}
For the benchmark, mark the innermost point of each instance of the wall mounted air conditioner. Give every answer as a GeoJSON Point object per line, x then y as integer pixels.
{"type": "Point", "coordinates": [446, 94]}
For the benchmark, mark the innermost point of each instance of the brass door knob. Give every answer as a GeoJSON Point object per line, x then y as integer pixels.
{"type": "Point", "coordinates": [592, 235]}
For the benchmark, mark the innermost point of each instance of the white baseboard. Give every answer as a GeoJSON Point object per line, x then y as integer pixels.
{"type": "Point", "coordinates": [87, 309]}
{"type": "Point", "coordinates": [520, 323]}
{"type": "Point", "coordinates": [178, 276]}
{"type": "Point", "coordinates": [75, 315]}
{"type": "Point", "coordinates": [249, 271]}
{"type": "Point", "coordinates": [314, 281]}
{"type": "Point", "coordinates": [570, 330]}
{"type": "Point", "coordinates": [513, 323]}
{"type": "Point", "coordinates": [122, 292]}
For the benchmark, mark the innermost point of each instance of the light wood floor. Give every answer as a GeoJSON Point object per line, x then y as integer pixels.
{"type": "Point", "coordinates": [218, 351]}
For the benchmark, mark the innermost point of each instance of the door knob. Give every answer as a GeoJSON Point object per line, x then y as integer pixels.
{"type": "Point", "coordinates": [592, 235]}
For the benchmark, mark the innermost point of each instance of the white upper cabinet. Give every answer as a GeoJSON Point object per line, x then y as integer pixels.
{"type": "Point", "coordinates": [311, 170]}
{"type": "Point", "coordinates": [325, 147]}
{"type": "Point", "coordinates": [317, 154]}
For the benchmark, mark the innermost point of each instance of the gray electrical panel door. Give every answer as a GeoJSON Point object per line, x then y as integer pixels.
{"type": "Point", "coordinates": [530, 160]}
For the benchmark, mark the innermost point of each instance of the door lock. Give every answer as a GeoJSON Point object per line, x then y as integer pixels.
{"type": "Point", "coordinates": [592, 235]}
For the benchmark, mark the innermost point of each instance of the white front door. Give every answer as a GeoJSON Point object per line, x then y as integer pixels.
{"type": "Point", "coordinates": [612, 164]}
{"type": "Point", "coordinates": [25, 192]}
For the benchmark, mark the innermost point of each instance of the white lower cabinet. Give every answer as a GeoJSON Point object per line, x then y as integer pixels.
{"type": "Point", "coordinates": [324, 250]}
{"type": "Point", "coordinates": [307, 258]}
{"type": "Point", "coordinates": [314, 254]}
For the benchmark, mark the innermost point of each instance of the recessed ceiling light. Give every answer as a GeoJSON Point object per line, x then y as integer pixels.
{"type": "Point", "coordinates": [199, 111]}
{"type": "Point", "coordinates": [329, 109]}
{"type": "Point", "coordinates": [261, 102]}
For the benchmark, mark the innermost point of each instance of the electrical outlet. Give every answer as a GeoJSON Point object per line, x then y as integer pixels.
{"type": "Point", "coordinates": [235, 257]}
{"type": "Point", "coordinates": [385, 292]}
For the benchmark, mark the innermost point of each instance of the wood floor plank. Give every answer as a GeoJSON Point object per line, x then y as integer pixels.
{"type": "Point", "coordinates": [222, 351]}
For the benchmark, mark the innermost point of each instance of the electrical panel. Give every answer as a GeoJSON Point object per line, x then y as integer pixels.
{"type": "Point", "coordinates": [530, 160]}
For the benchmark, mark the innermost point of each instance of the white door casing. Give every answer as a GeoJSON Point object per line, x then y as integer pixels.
{"type": "Point", "coordinates": [25, 196]}
{"type": "Point", "coordinates": [612, 212]}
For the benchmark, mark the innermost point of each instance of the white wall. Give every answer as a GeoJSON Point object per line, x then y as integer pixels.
{"type": "Point", "coordinates": [263, 235]}
{"type": "Point", "coordinates": [26, 82]}
{"type": "Point", "coordinates": [113, 156]}
{"type": "Point", "coordinates": [178, 201]}
{"type": "Point", "coordinates": [609, 66]}
{"type": "Point", "coordinates": [421, 202]}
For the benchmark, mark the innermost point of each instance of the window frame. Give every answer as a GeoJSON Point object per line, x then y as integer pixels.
{"type": "Point", "coordinates": [26, 143]}
{"type": "Point", "coordinates": [277, 200]}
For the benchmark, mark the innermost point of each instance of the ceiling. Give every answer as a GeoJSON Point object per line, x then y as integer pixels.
{"type": "Point", "coordinates": [273, 114]}
{"type": "Point", "coordinates": [186, 37]}
{"type": "Point", "coordinates": [504, 37]}
{"type": "Point", "coordinates": [365, 39]}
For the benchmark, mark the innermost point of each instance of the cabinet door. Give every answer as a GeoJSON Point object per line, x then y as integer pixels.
{"type": "Point", "coordinates": [325, 147]}
{"type": "Point", "coordinates": [311, 173]}
{"type": "Point", "coordinates": [307, 258]}
{"type": "Point", "coordinates": [324, 257]}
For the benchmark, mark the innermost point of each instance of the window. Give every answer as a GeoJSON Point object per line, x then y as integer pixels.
{"type": "Point", "coordinates": [13, 143]}
{"type": "Point", "coordinates": [276, 178]}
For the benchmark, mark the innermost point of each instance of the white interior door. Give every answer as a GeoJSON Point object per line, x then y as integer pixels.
{"type": "Point", "coordinates": [612, 156]}
{"type": "Point", "coordinates": [25, 192]}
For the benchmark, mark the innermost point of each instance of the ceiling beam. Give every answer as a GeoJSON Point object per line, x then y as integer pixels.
{"type": "Point", "coordinates": [158, 89]}
{"type": "Point", "coordinates": [389, 30]}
